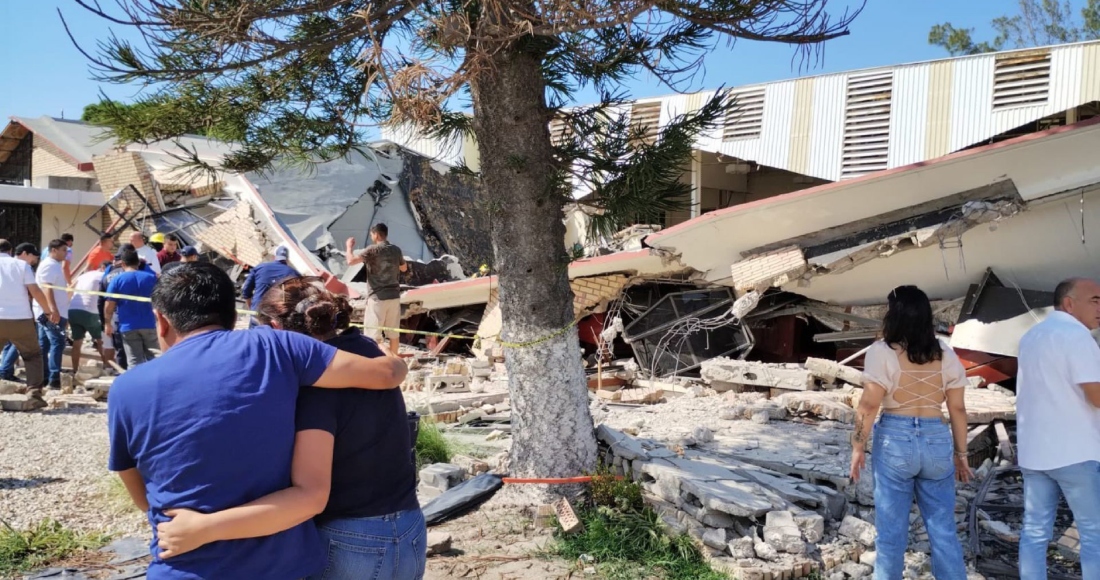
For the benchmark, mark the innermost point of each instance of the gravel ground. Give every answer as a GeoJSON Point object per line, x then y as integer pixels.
{"type": "Point", "coordinates": [53, 464]}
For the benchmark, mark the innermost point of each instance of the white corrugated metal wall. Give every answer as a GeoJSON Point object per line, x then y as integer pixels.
{"type": "Point", "coordinates": [909, 115]}
{"type": "Point", "coordinates": [915, 134]}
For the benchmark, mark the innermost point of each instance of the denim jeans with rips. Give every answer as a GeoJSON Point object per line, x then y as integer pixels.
{"type": "Point", "coordinates": [1080, 484]}
{"type": "Point", "coordinates": [912, 457]}
{"type": "Point", "coordinates": [51, 340]}
{"type": "Point", "coordinates": [391, 547]}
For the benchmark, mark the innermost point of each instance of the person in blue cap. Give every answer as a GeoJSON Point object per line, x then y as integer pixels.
{"type": "Point", "coordinates": [264, 276]}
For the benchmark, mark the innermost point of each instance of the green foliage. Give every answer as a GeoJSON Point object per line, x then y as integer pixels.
{"type": "Point", "coordinates": [625, 539]}
{"type": "Point", "coordinates": [1038, 23]}
{"type": "Point", "coordinates": [610, 491]}
{"type": "Point", "coordinates": [163, 117]}
{"type": "Point", "coordinates": [634, 177]}
{"type": "Point", "coordinates": [431, 445]}
{"type": "Point", "coordinates": [626, 544]}
{"type": "Point", "coordinates": [42, 545]}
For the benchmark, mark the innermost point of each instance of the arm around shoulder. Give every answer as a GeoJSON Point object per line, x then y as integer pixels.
{"type": "Point", "coordinates": [353, 371]}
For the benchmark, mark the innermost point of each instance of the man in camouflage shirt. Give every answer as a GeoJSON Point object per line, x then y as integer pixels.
{"type": "Point", "coordinates": [384, 264]}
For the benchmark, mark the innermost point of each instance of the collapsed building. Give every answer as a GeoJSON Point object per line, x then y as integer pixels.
{"type": "Point", "coordinates": [60, 176]}
{"type": "Point", "coordinates": [973, 178]}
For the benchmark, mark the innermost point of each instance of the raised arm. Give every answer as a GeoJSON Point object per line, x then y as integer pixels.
{"type": "Point", "coordinates": [352, 256]}
{"type": "Point", "coordinates": [311, 478]}
{"type": "Point", "coordinates": [353, 371]}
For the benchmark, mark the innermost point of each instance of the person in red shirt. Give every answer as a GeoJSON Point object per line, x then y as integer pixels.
{"type": "Point", "coordinates": [171, 252]}
{"type": "Point", "coordinates": [104, 252]}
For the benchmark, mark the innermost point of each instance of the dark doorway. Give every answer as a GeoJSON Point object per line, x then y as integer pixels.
{"type": "Point", "coordinates": [21, 222]}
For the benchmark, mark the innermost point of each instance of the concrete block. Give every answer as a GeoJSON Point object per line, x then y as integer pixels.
{"type": "Point", "coordinates": [780, 376]}
{"type": "Point", "coordinates": [448, 383]}
{"type": "Point", "coordinates": [859, 530]}
{"type": "Point", "coordinates": [20, 403]}
{"type": "Point", "coordinates": [781, 531]}
{"type": "Point", "coordinates": [442, 476]}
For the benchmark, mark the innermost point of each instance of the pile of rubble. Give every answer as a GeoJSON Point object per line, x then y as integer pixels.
{"type": "Point", "coordinates": [755, 466]}
{"type": "Point", "coordinates": [86, 387]}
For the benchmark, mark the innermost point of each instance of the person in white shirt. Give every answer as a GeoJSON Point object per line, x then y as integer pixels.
{"type": "Point", "coordinates": [51, 335]}
{"type": "Point", "coordinates": [1058, 426]}
{"type": "Point", "coordinates": [146, 253]}
{"type": "Point", "coordinates": [84, 314]}
{"type": "Point", "coordinates": [17, 287]}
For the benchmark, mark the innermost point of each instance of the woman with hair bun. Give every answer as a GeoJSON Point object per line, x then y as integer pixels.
{"type": "Point", "coordinates": [371, 521]}
{"type": "Point", "coordinates": [909, 375]}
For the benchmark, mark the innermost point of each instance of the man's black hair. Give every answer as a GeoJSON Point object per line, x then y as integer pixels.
{"type": "Point", "coordinates": [26, 248]}
{"type": "Point", "coordinates": [106, 237]}
{"type": "Point", "coordinates": [55, 244]}
{"type": "Point", "coordinates": [67, 237]}
{"type": "Point", "coordinates": [1064, 289]}
{"type": "Point", "coordinates": [381, 230]}
{"type": "Point", "coordinates": [130, 258]}
{"type": "Point", "coordinates": [5, 247]}
{"type": "Point", "coordinates": [195, 295]}
{"type": "Point", "coordinates": [173, 238]}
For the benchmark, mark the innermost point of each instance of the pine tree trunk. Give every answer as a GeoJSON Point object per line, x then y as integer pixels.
{"type": "Point", "coordinates": [552, 431]}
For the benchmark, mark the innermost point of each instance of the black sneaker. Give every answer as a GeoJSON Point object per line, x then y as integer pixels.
{"type": "Point", "coordinates": [55, 384]}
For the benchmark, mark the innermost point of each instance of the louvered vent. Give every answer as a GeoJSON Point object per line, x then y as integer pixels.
{"type": "Point", "coordinates": [746, 118]}
{"type": "Point", "coordinates": [1021, 79]}
{"type": "Point", "coordinates": [647, 116]}
{"type": "Point", "coordinates": [867, 124]}
{"type": "Point", "coordinates": [559, 131]}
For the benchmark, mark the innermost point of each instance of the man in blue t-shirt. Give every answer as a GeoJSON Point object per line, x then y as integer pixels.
{"type": "Point", "coordinates": [264, 276]}
{"type": "Point", "coordinates": [136, 322]}
{"type": "Point", "coordinates": [210, 425]}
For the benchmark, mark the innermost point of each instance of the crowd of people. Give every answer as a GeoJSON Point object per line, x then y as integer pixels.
{"type": "Point", "coordinates": [302, 397]}
{"type": "Point", "coordinates": [42, 303]}
{"type": "Point", "coordinates": [302, 412]}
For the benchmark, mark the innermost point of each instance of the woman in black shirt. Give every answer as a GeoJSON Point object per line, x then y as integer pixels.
{"type": "Point", "coordinates": [371, 523]}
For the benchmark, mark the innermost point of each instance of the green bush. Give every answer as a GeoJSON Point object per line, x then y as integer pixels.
{"type": "Point", "coordinates": [625, 539]}
{"type": "Point", "coordinates": [431, 445]}
{"type": "Point", "coordinates": [42, 545]}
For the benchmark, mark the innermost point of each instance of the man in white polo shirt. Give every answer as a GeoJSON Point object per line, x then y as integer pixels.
{"type": "Point", "coordinates": [51, 333]}
{"type": "Point", "coordinates": [17, 287]}
{"type": "Point", "coordinates": [1058, 426]}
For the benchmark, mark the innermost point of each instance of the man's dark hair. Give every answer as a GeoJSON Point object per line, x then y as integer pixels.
{"type": "Point", "coordinates": [5, 246]}
{"type": "Point", "coordinates": [130, 258]}
{"type": "Point", "coordinates": [909, 323]}
{"type": "Point", "coordinates": [55, 244]}
{"type": "Point", "coordinates": [106, 237]}
{"type": "Point", "coordinates": [195, 295]}
{"type": "Point", "coordinates": [26, 248]}
{"type": "Point", "coordinates": [381, 230]}
{"type": "Point", "coordinates": [67, 237]}
{"type": "Point", "coordinates": [1064, 288]}
{"type": "Point", "coordinates": [173, 238]}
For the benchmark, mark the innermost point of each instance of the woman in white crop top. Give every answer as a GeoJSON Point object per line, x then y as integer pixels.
{"type": "Point", "coordinates": [910, 375]}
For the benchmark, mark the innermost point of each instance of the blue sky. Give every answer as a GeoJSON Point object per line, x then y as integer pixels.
{"type": "Point", "coordinates": [43, 74]}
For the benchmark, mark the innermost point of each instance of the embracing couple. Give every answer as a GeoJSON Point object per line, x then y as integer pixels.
{"type": "Point", "coordinates": [281, 452]}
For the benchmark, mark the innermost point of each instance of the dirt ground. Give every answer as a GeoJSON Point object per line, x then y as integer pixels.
{"type": "Point", "coordinates": [498, 543]}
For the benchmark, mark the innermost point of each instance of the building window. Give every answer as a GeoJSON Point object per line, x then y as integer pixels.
{"type": "Point", "coordinates": [867, 124]}
{"type": "Point", "coordinates": [1021, 79]}
{"type": "Point", "coordinates": [21, 222]}
{"type": "Point", "coordinates": [15, 162]}
{"type": "Point", "coordinates": [746, 118]}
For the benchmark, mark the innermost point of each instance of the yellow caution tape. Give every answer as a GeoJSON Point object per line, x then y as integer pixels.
{"type": "Point", "coordinates": [476, 338]}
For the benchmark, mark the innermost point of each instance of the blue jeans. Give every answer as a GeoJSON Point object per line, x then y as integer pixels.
{"type": "Point", "coordinates": [7, 361]}
{"type": "Point", "coordinates": [1080, 483]}
{"type": "Point", "coordinates": [913, 456]}
{"type": "Point", "coordinates": [392, 547]}
{"type": "Point", "coordinates": [51, 339]}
